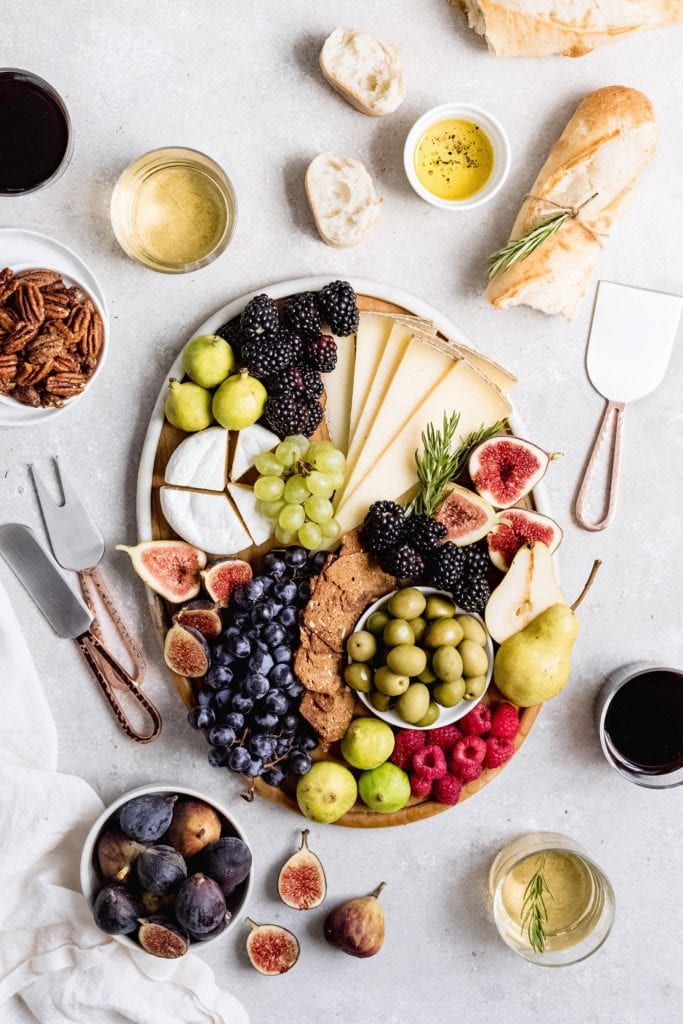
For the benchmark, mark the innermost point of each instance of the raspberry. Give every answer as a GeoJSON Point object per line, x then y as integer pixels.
{"type": "Point", "coordinates": [469, 774]}
{"type": "Point", "coordinates": [430, 762]}
{"type": "Point", "coordinates": [505, 721]}
{"type": "Point", "coordinates": [467, 754]}
{"type": "Point", "coordinates": [420, 785]}
{"type": "Point", "coordinates": [408, 742]}
{"type": "Point", "coordinates": [499, 749]}
{"type": "Point", "coordinates": [447, 789]}
{"type": "Point", "coordinates": [477, 721]}
{"type": "Point", "coordinates": [446, 736]}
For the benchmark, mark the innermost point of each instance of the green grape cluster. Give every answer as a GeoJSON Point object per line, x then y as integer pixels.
{"type": "Point", "coordinates": [295, 487]}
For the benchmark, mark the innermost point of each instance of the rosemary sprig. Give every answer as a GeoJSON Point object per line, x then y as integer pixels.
{"type": "Point", "coordinates": [519, 248]}
{"type": "Point", "coordinates": [534, 912]}
{"type": "Point", "coordinates": [442, 459]}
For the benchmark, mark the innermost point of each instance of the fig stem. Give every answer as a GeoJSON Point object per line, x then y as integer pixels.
{"type": "Point", "coordinates": [553, 456]}
{"type": "Point", "coordinates": [304, 838]}
{"type": "Point", "coordinates": [252, 924]}
{"type": "Point", "coordinates": [588, 584]}
{"type": "Point", "coordinates": [250, 793]}
{"type": "Point", "coordinates": [378, 890]}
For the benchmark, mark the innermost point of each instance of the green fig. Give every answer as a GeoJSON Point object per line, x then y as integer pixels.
{"type": "Point", "coordinates": [208, 359]}
{"type": "Point", "coordinates": [188, 407]}
{"type": "Point", "coordinates": [239, 401]}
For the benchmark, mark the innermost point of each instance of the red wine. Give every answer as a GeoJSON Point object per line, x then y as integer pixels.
{"type": "Point", "coordinates": [644, 723]}
{"type": "Point", "coordinates": [34, 128]}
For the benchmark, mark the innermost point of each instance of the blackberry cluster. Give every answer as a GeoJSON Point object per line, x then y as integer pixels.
{"type": "Point", "coordinates": [403, 562]}
{"type": "Point", "coordinates": [295, 378]}
{"type": "Point", "coordinates": [464, 572]}
{"type": "Point", "coordinates": [302, 316]}
{"type": "Point", "coordinates": [384, 527]}
{"type": "Point", "coordinates": [293, 412]}
{"type": "Point", "coordinates": [260, 319]}
{"type": "Point", "coordinates": [424, 533]}
{"type": "Point", "coordinates": [249, 700]}
{"type": "Point", "coordinates": [264, 355]}
{"type": "Point", "coordinates": [321, 353]}
{"type": "Point", "coordinates": [338, 307]}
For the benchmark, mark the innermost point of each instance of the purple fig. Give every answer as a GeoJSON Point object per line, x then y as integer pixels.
{"type": "Point", "coordinates": [199, 905]}
{"type": "Point", "coordinates": [193, 827]}
{"type": "Point", "coordinates": [202, 616]}
{"type": "Point", "coordinates": [170, 567]}
{"type": "Point", "coordinates": [160, 869]}
{"type": "Point", "coordinates": [357, 926]}
{"type": "Point", "coordinates": [115, 910]}
{"type": "Point", "coordinates": [164, 938]}
{"type": "Point", "coordinates": [116, 854]}
{"type": "Point", "coordinates": [227, 861]}
{"type": "Point", "coordinates": [186, 651]}
{"type": "Point", "coordinates": [218, 930]}
{"type": "Point", "coordinates": [147, 817]}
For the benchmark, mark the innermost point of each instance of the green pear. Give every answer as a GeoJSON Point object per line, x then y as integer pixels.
{"type": "Point", "coordinates": [208, 359]}
{"type": "Point", "coordinates": [527, 589]}
{"type": "Point", "coordinates": [533, 665]}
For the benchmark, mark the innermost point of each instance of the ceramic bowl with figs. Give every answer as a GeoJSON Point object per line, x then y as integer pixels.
{"type": "Point", "coordinates": [164, 868]}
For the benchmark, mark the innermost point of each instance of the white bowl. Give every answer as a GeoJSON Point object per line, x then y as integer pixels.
{"type": "Point", "coordinates": [499, 141]}
{"type": "Point", "coordinates": [448, 715]}
{"type": "Point", "coordinates": [91, 882]}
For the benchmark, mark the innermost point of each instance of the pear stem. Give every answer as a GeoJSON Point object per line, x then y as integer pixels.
{"type": "Point", "coordinates": [378, 890]}
{"type": "Point", "coordinates": [588, 584]}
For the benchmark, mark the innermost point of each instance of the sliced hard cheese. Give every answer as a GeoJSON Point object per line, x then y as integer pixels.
{"type": "Point", "coordinates": [339, 391]}
{"type": "Point", "coordinates": [249, 444]}
{"type": "Point", "coordinates": [497, 374]}
{"type": "Point", "coordinates": [462, 389]}
{"type": "Point", "coordinates": [256, 523]}
{"type": "Point", "coordinates": [199, 461]}
{"type": "Point", "coordinates": [371, 338]}
{"type": "Point", "coordinates": [418, 373]}
{"type": "Point", "coordinates": [208, 521]}
{"type": "Point", "coordinates": [394, 350]}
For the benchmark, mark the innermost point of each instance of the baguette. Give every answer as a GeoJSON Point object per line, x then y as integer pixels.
{"type": "Point", "coordinates": [540, 28]}
{"type": "Point", "coordinates": [342, 199]}
{"type": "Point", "coordinates": [367, 73]}
{"type": "Point", "coordinates": [604, 149]}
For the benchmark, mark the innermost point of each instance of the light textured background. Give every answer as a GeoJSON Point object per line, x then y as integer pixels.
{"type": "Point", "coordinates": [240, 80]}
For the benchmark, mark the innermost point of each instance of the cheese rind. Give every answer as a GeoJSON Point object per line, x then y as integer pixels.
{"type": "Point", "coordinates": [199, 461]}
{"type": "Point", "coordinates": [208, 521]}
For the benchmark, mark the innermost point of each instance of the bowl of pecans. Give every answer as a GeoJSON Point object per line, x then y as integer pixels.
{"type": "Point", "coordinates": [53, 339]}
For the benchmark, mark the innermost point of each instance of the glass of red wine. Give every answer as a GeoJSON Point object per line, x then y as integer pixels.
{"type": "Point", "coordinates": [639, 716]}
{"type": "Point", "coordinates": [36, 134]}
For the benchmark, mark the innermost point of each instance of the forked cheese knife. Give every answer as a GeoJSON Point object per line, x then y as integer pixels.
{"type": "Point", "coordinates": [631, 339]}
{"type": "Point", "coordinates": [71, 619]}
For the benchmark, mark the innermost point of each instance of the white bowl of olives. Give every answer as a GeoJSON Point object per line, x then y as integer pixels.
{"type": "Point", "coordinates": [417, 660]}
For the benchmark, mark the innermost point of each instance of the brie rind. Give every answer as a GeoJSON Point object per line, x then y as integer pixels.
{"type": "Point", "coordinates": [250, 443]}
{"type": "Point", "coordinates": [199, 461]}
{"type": "Point", "coordinates": [246, 501]}
{"type": "Point", "coordinates": [208, 521]}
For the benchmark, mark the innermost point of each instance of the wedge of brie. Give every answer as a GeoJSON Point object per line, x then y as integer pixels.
{"type": "Point", "coordinates": [200, 461]}
{"type": "Point", "coordinates": [209, 521]}
{"type": "Point", "coordinates": [259, 527]}
{"type": "Point", "coordinates": [249, 443]}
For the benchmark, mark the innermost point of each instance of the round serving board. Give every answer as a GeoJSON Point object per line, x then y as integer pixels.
{"type": "Point", "coordinates": [162, 439]}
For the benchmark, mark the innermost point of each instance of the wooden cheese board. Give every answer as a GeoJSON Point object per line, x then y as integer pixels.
{"type": "Point", "coordinates": [162, 439]}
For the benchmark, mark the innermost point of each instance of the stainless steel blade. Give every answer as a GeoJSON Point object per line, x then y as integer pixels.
{"type": "Point", "coordinates": [37, 571]}
{"type": "Point", "coordinates": [76, 541]}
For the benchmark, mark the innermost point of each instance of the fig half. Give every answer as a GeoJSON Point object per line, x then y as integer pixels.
{"type": "Point", "coordinates": [271, 949]}
{"type": "Point", "coordinates": [504, 469]}
{"type": "Point", "coordinates": [466, 516]}
{"type": "Point", "coordinates": [202, 616]}
{"type": "Point", "coordinates": [222, 579]}
{"type": "Point", "coordinates": [186, 651]}
{"type": "Point", "coordinates": [521, 527]}
{"type": "Point", "coordinates": [164, 938]}
{"type": "Point", "coordinates": [301, 883]}
{"type": "Point", "coordinates": [170, 567]}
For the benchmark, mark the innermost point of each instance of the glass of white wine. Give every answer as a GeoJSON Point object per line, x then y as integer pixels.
{"type": "Point", "coordinates": [552, 904]}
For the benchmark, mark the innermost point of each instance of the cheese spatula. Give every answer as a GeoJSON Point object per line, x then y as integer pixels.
{"type": "Point", "coordinates": [629, 347]}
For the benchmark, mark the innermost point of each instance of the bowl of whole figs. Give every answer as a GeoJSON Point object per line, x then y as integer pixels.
{"type": "Point", "coordinates": [166, 867]}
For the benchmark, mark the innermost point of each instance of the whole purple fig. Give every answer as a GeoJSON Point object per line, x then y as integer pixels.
{"type": "Point", "coordinates": [199, 905]}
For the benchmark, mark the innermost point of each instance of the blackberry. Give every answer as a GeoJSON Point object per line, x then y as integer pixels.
{"type": "Point", "coordinates": [313, 382]}
{"type": "Point", "coordinates": [232, 333]}
{"type": "Point", "coordinates": [472, 595]}
{"type": "Point", "coordinates": [293, 413]}
{"type": "Point", "coordinates": [404, 562]}
{"type": "Point", "coordinates": [338, 309]}
{"type": "Point", "coordinates": [296, 378]}
{"type": "Point", "coordinates": [321, 353]}
{"type": "Point", "coordinates": [260, 319]}
{"type": "Point", "coordinates": [384, 527]}
{"type": "Point", "coordinates": [264, 357]}
{"type": "Point", "coordinates": [448, 565]}
{"type": "Point", "coordinates": [302, 316]}
{"type": "Point", "coordinates": [424, 533]}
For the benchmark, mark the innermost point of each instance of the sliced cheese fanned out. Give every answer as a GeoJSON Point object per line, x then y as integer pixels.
{"type": "Point", "coordinates": [339, 391]}
{"type": "Point", "coordinates": [199, 461]}
{"type": "Point", "coordinates": [259, 527]}
{"type": "Point", "coordinates": [371, 338]}
{"type": "Point", "coordinates": [250, 443]}
{"type": "Point", "coordinates": [209, 521]}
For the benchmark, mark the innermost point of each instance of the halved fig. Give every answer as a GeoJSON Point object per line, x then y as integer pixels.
{"type": "Point", "coordinates": [170, 567]}
{"type": "Point", "coordinates": [301, 883]}
{"type": "Point", "coordinates": [186, 652]}
{"type": "Point", "coordinates": [202, 616]}
{"type": "Point", "coordinates": [222, 578]}
{"type": "Point", "coordinates": [271, 949]}
{"type": "Point", "coordinates": [520, 527]}
{"type": "Point", "coordinates": [162, 937]}
{"type": "Point", "coordinates": [466, 516]}
{"type": "Point", "coordinates": [504, 469]}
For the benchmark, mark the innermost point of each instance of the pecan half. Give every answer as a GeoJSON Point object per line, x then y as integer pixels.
{"type": "Point", "coordinates": [19, 337]}
{"type": "Point", "coordinates": [40, 278]}
{"type": "Point", "coordinates": [27, 396]}
{"type": "Point", "coordinates": [30, 303]}
{"type": "Point", "coordinates": [78, 322]}
{"type": "Point", "coordinates": [65, 384]}
{"type": "Point", "coordinates": [7, 320]}
{"type": "Point", "coordinates": [55, 310]}
{"type": "Point", "coordinates": [93, 339]}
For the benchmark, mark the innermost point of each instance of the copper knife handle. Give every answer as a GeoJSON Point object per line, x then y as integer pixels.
{"type": "Point", "coordinates": [92, 583]}
{"type": "Point", "coordinates": [612, 419]}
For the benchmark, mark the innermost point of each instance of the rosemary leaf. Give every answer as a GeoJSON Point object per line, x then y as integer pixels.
{"type": "Point", "coordinates": [519, 248]}
{"type": "Point", "coordinates": [534, 911]}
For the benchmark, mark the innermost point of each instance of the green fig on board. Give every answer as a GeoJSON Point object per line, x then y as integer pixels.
{"type": "Point", "coordinates": [208, 359]}
{"type": "Point", "coordinates": [188, 407]}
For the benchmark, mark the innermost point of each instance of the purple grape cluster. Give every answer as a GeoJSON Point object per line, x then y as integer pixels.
{"type": "Point", "coordinates": [248, 703]}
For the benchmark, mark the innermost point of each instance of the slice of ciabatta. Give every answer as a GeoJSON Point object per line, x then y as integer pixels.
{"type": "Point", "coordinates": [342, 198]}
{"type": "Point", "coordinates": [367, 73]}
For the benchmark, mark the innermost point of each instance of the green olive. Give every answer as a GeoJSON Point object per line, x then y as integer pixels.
{"type": "Point", "coordinates": [439, 608]}
{"type": "Point", "coordinates": [414, 703]}
{"type": "Point", "coordinates": [426, 676]}
{"type": "Point", "coordinates": [475, 687]}
{"type": "Point", "coordinates": [377, 621]}
{"type": "Point", "coordinates": [475, 661]}
{"type": "Point", "coordinates": [472, 629]}
{"type": "Point", "coordinates": [433, 712]}
{"type": "Point", "coordinates": [390, 683]}
{"type": "Point", "coordinates": [407, 603]}
{"type": "Point", "coordinates": [443, 631]}
{"type": "Point", "coordinates": [407, 660]}
{"type": "Point", "coordinates": [447, 664]}
{"type": "Point", "coordinates": [380, 701]}
{"type": "Point", "coordinates": [361, 646]}
{"type": "Point", "coordinates": [418, 627]}
{"type": "Point", "coordinates": [358, 676]}
{"type": "Point", "coordinates": [397, 632]}
{"type": "Point", "coordinates": [449, 694]}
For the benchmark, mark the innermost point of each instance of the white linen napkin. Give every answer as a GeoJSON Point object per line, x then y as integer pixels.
{"type": "Point", "coordinates": [56, 966]}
